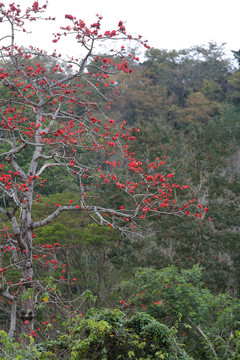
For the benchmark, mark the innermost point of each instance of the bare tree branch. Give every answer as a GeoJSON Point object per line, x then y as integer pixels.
{"type": "Point", "coordinates": [94, 209]}
{"type": "Point", "coordinates": [46, 165]}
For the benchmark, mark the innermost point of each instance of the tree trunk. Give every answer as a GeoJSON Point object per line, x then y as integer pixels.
{"type": "Point", "coordinates": [28, 301]}
{"type": "Point", "coordinates": [13, 318]}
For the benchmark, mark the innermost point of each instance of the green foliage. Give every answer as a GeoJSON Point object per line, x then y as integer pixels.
{"type": "Point", "coordinates": [179, 299]}
{"type": "Point", "coordinates": [109, 334]}
{"type": "Point", "coordinates": [94, 255]}
{"type": "Point", "coordinates": [206, 157]}
{"type": "Point", "coordinates": [9, 349]}
{"type": "Point", "coordinates": [236, 341]}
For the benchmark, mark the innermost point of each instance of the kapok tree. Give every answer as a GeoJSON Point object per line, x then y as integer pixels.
{"type": "Point", "coordinates": [58, 115]}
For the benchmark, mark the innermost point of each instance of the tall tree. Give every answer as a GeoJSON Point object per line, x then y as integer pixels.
{"type": "Point", "coordinates": [50, 118]}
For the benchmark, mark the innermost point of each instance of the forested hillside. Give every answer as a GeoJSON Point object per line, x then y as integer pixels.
{"type": "Point", "coordinates": [132, 245]}
{"type": "Point", "coordinates": [186, 104]}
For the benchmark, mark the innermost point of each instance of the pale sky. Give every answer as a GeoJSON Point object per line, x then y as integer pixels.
{"type": "Point", "coordinates": [168, 24]}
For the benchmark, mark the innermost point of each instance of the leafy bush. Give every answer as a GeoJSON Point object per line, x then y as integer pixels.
{"type": "Point", "coordinates": [179, 299]}
{"type": "Point", "coordinates": [110, 334]}
{"type": "Point", "coordinates": [9, 349]}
